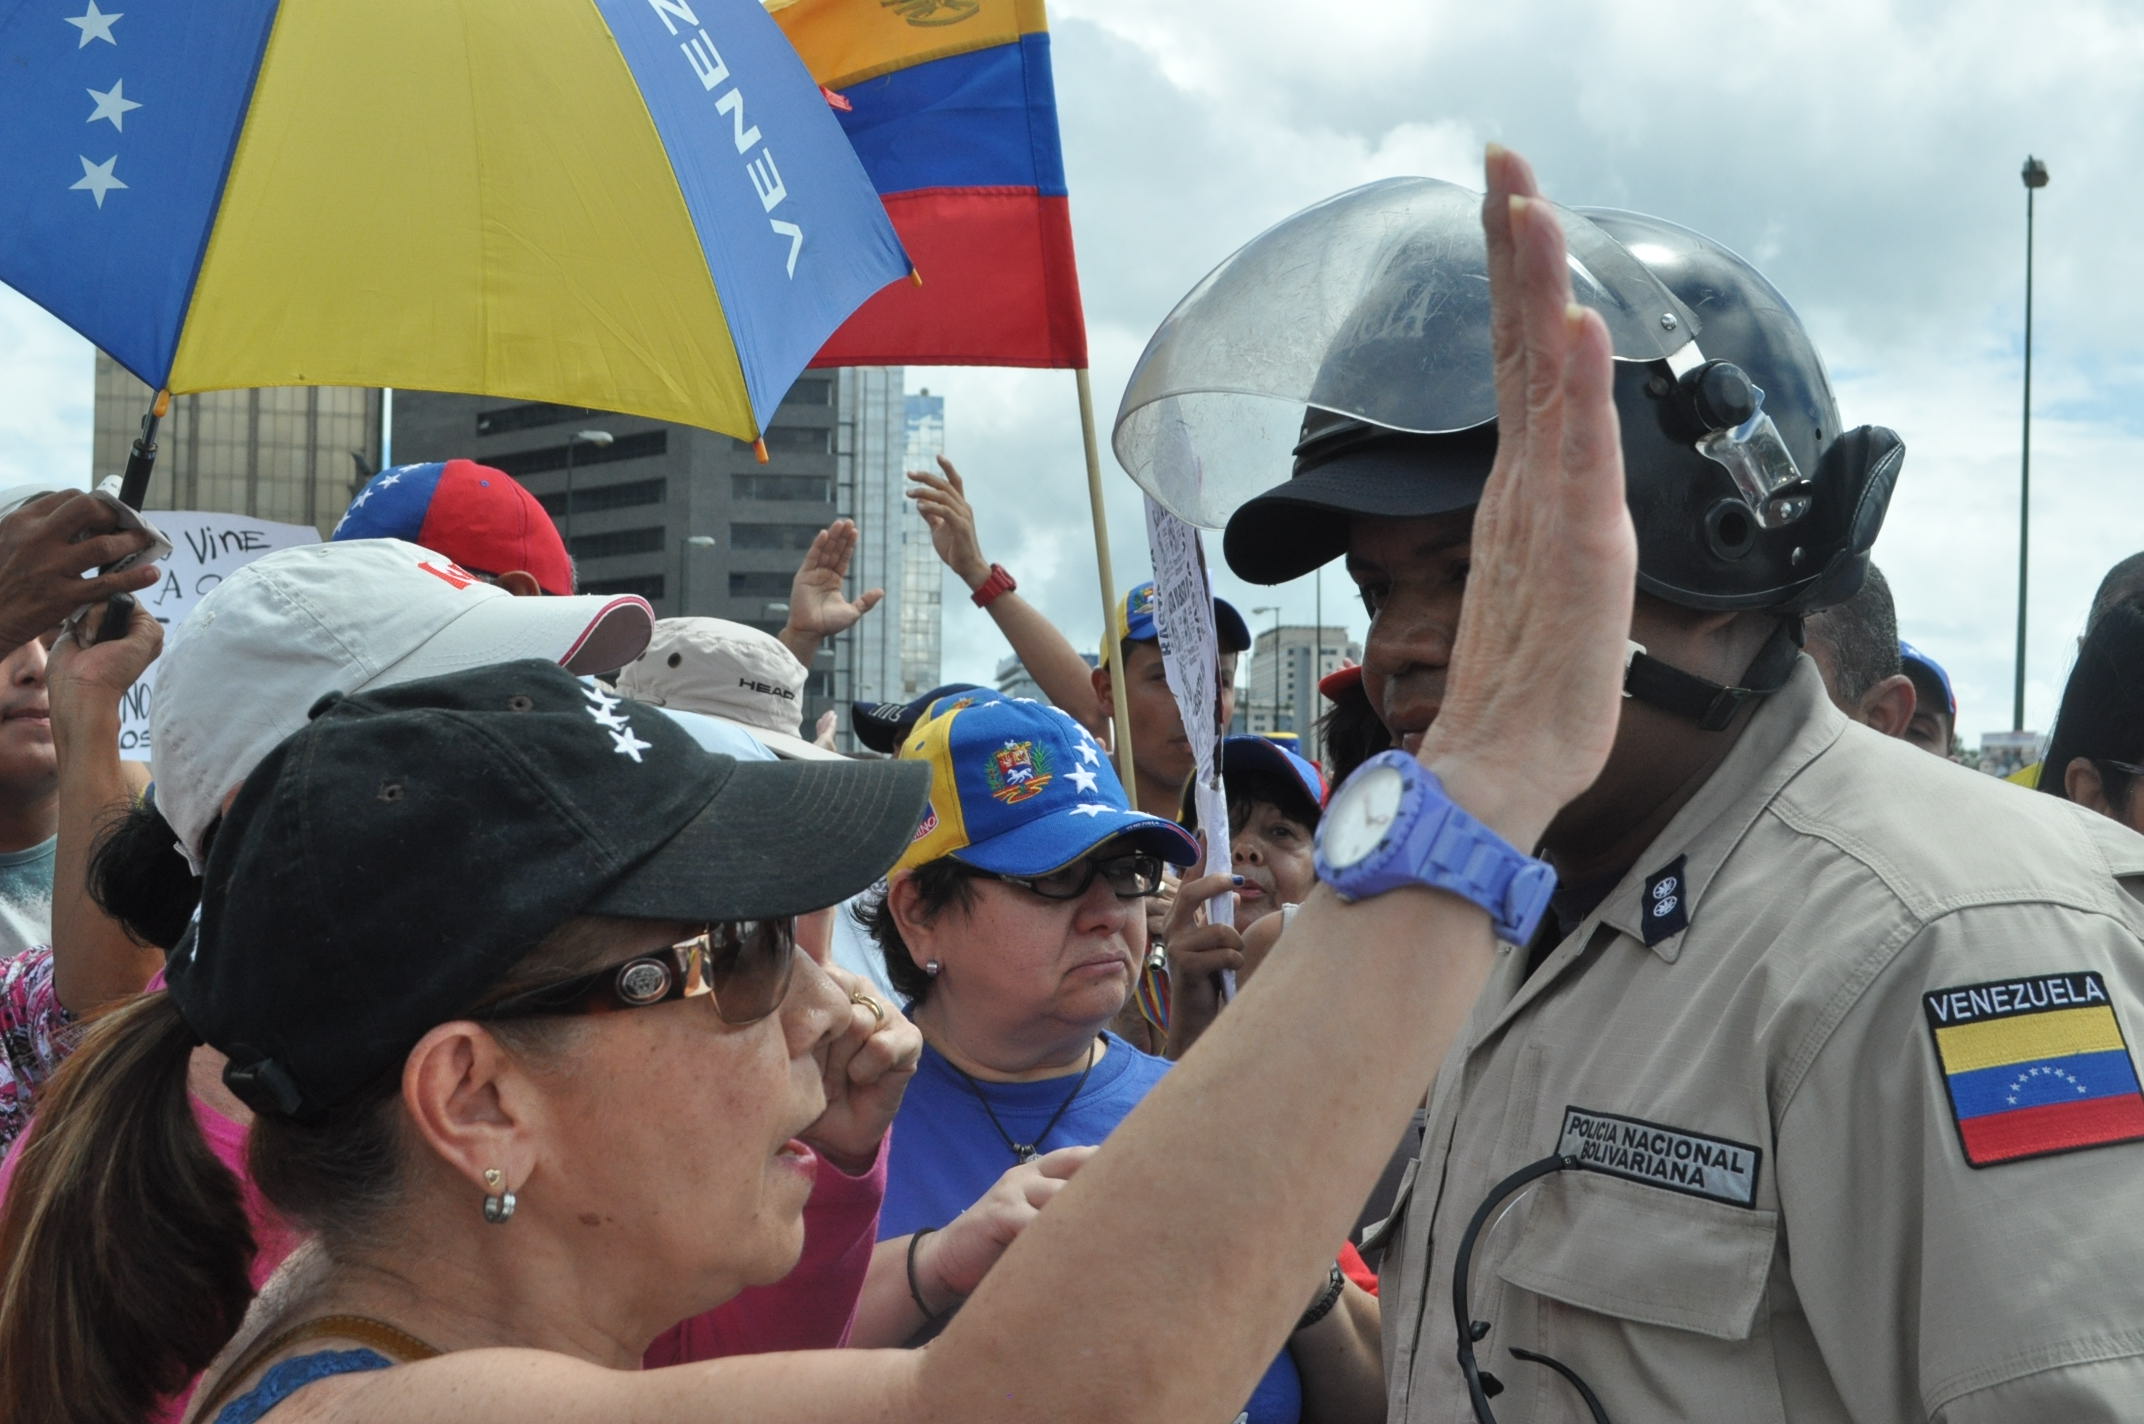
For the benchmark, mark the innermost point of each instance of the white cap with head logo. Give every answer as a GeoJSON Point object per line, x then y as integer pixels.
{"type": "Point", "coordinates": [731, 672]}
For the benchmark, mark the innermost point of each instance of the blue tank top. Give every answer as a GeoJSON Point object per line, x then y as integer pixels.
{"type": "Point", "coordinates": [294, 1374]}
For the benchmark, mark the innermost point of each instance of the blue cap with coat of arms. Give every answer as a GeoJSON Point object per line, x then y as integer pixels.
{"type": "Point", "coordinates": [1020, 788]}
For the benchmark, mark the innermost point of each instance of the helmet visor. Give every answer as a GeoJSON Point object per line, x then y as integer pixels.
{"type": "Point", "coordinates": [1372, 304]}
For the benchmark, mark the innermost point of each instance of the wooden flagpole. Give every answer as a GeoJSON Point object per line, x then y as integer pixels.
{"type": "Point", "coordinates": [1121, 715]}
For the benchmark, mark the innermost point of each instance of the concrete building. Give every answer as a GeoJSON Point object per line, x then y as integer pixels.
{"type": "Point", "coordinates": [284, 453]}
{"type": "Point", "coordinates": [922, 575]}
{"type": "Point", "coordinates": [1278, 688]}
{"type": "Point", "coordinates": [871, 447]}
{"type": "Point", "coordinates": [645, 496]}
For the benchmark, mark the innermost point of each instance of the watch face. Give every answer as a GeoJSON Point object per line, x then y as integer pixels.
{"type": "Point", "coordinates": [1368, 805]}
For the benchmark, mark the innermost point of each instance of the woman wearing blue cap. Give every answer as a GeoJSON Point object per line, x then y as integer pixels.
{"type": "Point", "coordinates": [1010, 923]}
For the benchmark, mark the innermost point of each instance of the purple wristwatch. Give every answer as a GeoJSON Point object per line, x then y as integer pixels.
{"type": "Point", "coordinates": [1392, 824]}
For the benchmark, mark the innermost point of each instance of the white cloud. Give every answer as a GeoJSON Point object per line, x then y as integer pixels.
{"type": "Point", "coordinates": [46, 375]}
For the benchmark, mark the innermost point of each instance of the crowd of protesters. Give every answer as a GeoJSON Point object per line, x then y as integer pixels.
{"type": "Point", "coordinates": [335, 1077]}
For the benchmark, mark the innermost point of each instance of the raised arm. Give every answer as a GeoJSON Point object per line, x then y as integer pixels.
{"type": "Point", "coordinates": [1164, 1278]}
{"type": "Point", "coordinates": [93, 960]}
{"type": "Point", "coordinates": [819, 606]}
{"type": "Point", "coordinates": [1048, 656]}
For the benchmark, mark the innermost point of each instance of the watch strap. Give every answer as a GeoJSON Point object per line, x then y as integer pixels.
{"type": "Point", "coordinates": [1441, 845]}
{"type": "Point", "coordinates": [988, 590]}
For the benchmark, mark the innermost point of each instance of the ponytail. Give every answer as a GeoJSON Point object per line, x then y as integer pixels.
{"type": "Point", "coordinates": [124, 1243]}
{"type": "Point", "coordinates": [138, 876]}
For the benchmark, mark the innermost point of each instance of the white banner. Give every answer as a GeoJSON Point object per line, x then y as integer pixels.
{"type": "Point", "coordinates": [1190, 656]}
{"type": "Point", "coordinates": [206, 549]}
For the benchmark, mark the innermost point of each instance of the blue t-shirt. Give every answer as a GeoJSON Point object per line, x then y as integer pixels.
{"type": "Point", "coordinates": [945, 1155]}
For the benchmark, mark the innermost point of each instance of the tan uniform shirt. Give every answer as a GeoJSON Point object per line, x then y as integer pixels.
{"type": "Point", "coordinates": [1866, 964]}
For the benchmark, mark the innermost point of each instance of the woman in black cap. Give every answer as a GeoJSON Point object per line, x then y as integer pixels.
{"type": "Point", "coordinates": [504, 969]}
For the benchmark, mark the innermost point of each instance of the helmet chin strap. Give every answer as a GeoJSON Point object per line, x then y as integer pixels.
{"type": "Point", "coordinates": [1709, 704]}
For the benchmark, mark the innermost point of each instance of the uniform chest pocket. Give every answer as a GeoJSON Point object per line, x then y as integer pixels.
{"type": "Point", "coordinates": [1645, 1254]}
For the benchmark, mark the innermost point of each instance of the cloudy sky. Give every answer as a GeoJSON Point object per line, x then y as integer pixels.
{"type": "Point", "coordinates": [1864, 154]}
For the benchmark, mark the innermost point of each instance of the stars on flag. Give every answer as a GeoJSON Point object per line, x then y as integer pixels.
{"type": "Point", "coordinates": [1089, 754]}
{"type": "Point", "coordinates": [112, 104]}
{"type": "Point", "coordinates": [1084, 779]}
{"type": "Point", "coordinates": [1090, 808]}
{"type": "Point", "coordinates": [96, 25]}
{"type": "Point", "coordinates": [98, 179]}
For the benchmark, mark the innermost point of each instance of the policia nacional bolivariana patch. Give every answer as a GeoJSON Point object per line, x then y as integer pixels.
{"type": "Point", "coordinates": [2034, 1067]}
{"type": "Point", "coordinates": [1661, 1156]}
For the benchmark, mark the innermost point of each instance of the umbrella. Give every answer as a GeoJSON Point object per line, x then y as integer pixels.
{"type": "Point", "coordinates": [633, 205]}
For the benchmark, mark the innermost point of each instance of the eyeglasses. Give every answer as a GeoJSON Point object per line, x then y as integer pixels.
{"type": "Point", "coordinates": [1131, 877]}
{"type": "Point", "coordinates": [742, 966]}
{"type": "Point", "coordinates": [1481, 1385]}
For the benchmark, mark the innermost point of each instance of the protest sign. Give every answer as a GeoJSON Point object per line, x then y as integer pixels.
{"type": "Point", "coordinates": [206, 549]}
{"type": "Point", "coordinates": [1190, 657]}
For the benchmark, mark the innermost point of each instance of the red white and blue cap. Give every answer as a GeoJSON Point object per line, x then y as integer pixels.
{"type": "Point", "coordinates": [481, 518]}
{"type": "Point", "coordinates": [1019, 788]}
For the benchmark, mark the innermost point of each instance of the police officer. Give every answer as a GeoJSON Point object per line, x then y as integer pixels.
{"type": "Point", "coordinates": [1798, 1112]}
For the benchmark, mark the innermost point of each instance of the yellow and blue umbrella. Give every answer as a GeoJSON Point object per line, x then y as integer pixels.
{"type": "Point", "coordinates": [633, 205]}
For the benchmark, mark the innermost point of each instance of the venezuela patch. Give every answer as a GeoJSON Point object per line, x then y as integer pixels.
{"type": "Point", "coordinates": [2034, 1067]}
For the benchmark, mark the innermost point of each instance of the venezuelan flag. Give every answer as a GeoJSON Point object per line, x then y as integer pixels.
{"type": "Point", "coordinates": [951, 107]}
{"type": "Point", "coordinates": [2035, 1066]}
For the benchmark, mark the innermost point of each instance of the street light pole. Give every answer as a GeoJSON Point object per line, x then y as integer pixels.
{"type": "Point", "coordinates": [1274, 724]}
{"type": "Point", "coordinates": [1317, 663]}
{"type": "Point", "coordinates": [593, 437]}
{"type": "Point", "coordinates": [685, 546]}
{"type": "Point", "coordinates": [2034, 174]}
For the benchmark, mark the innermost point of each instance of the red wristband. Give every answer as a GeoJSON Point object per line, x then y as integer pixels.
{"type": "Point", "coordinates": [998, 582]}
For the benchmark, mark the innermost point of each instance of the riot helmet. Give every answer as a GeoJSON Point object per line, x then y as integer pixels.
{"type": "Point", "coordinates": [1371, 310]}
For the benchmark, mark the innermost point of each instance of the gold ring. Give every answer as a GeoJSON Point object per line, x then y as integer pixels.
{"type": "Point", "coordinates": [866, 1001]}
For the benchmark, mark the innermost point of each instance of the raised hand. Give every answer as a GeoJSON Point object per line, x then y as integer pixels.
{"type": "Point", "coordinates": [1198, 952]}
{"type": "Point", "coordinates": [943, 502]}
{"type": "Point", "coordinates": [1534, 690]}
{"type": "Point", "coordinates": [45, 548]}
{"type": "Point", "coordinates": [86, 683]}
{"type": "Point", "coordinates": [818, 601]}
{"type": "Point", "coordinates": [868, 1067]}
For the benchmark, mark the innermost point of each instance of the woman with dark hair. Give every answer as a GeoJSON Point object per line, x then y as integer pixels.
{"type": "Point", "coordinates": [503, 968]}
{"type": "Point", "coordinates": [2096, 755]}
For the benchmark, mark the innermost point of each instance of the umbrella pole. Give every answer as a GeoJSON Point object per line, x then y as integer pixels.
{"type": "Point", "coordinates": [134, 485]}
{"type": "Point", "coordinates": [1119, 701]}
{"type": "Point", "coordinates": [133, 489]}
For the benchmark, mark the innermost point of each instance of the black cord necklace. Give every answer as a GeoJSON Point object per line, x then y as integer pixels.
{"type": "Point", "coordinates": [1025, 1151]}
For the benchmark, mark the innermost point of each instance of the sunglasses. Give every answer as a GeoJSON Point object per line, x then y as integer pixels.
{"type": "Point", "coordinates": [743, 967]}
{"type": "Point", "coordinates": [1130, 877]}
